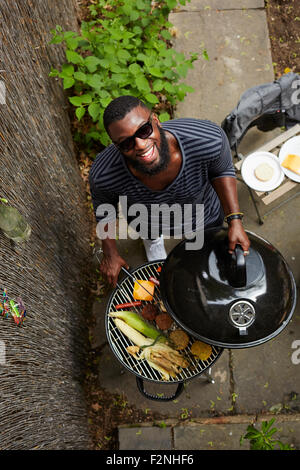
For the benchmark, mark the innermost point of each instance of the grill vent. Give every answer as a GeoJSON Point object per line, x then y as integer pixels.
{"type": "Point", "coordinates": [242, 315]}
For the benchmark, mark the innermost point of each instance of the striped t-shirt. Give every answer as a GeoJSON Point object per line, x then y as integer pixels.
{"type": "Point", "coordinates": [205, 156]}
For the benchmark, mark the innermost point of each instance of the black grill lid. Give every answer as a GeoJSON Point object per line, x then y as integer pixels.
{"type": "Point", "coordinates": [229, 300]}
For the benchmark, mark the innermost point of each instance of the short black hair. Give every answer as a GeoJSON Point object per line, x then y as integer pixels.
{"type": "Point", "coordinates": [119, 107]}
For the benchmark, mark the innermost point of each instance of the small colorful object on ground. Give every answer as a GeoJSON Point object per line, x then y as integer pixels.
{"type": "Point", "coordinates": [16, 309]}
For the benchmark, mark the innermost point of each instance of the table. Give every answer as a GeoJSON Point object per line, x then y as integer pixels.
{"type": "Point", "coordinates": [287, 184]}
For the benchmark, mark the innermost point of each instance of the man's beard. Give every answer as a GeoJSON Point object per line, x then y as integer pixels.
{"type": "Point", "coordinates": [163, 162]}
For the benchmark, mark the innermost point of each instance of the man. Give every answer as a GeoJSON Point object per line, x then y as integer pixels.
{"type": "Point", "coordinates": [185, 161]}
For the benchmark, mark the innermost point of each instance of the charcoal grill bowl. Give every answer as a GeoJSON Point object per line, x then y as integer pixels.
{"type": "Point", "coordinates": [132, 365]}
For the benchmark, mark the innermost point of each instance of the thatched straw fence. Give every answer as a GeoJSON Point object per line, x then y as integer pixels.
{"type": "Point", "coordinates": [42, 363]}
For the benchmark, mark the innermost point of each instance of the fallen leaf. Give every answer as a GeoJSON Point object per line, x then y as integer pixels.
{"type": "Point", "coordinates": [96, 406]}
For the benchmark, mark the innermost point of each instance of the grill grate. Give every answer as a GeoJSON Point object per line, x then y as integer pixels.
{"type": "Point", "coordinates": [119, 342]}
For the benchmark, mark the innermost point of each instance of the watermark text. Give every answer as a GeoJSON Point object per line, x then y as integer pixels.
{"type": "Point", "coordinates": [141, 221]}
{"type": "Point", "coordinates": [296, 354]}
{"type": "Point", "coordinates": [295, 98]}
{"type": "Point", "coordinates": [2, 353]}
{"type": "Point", "coordinates": [2, 92]}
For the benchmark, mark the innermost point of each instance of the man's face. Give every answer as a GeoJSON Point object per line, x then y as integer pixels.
{"type": "Point", "coordinates": [149, 156]}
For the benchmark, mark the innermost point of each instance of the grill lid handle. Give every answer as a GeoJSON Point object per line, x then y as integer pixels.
{"type": "Point", "coordinates": [238, 267]}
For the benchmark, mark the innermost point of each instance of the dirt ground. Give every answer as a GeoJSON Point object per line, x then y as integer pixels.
{"type": "Point", "coordinates": [284, 28]}
{"type": "Point", "coordinates": [107, 411]}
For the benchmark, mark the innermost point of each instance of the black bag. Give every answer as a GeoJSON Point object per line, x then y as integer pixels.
{"type": "Point", "coordinates": [267, 106]}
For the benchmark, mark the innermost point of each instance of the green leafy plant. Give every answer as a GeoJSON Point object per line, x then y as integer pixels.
{"type": "Point", "coordinates": [160, 424]}
{"type": "Point", "coordinates": [261, 439]}
{"type": "Point", "coordinates": [185, 413]}
{"type": "Point", "coordinates": [124, 49]}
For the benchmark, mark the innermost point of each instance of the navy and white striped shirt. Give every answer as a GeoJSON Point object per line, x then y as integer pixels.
{"type": "Point", "coordinates": [205, 153]}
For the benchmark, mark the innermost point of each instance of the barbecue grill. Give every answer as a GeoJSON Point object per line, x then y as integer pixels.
{"type": "Point", "coordinates": [226, 301]}
{"type": "Point", "coordinates": [140, 368]}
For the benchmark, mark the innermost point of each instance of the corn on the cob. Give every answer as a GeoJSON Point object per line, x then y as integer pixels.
{"type": "Point", "coordinates": [135, 321]}
{"type": "Point", "coordinates": [137, 338]}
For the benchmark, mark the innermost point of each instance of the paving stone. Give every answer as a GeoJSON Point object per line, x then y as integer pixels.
{"type": "Point", "coordinates": [265, 376]}
{"type": "Point", "coordinates": [209, 437]}
{"type": "Point", "coordinates": [145, 438]}
{"type": "Point", "coordinates": [196, 5]}
{"type": "Point", "coordinates": [238, 46]}
{"type": "Point", "coordinates": [220, 433]}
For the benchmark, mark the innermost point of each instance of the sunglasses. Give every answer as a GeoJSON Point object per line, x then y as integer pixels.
{"type": "Point", "coordinates": [143, 132]}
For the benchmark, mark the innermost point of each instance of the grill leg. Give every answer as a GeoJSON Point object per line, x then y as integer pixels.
{"type": "Point", "coordinates": [207, 375]}
{"type": "Point", "coordinates": [260, 220]}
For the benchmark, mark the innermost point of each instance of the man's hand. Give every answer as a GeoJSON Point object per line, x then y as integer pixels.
{"type": "Point", "coordinates": [226, 190]}
{"type": "Point", "coordinates": [112, 262]}
{"type": "Point", "coordinates": [237, 235]}
{"type": "Point", "coordinates": [110, 267]}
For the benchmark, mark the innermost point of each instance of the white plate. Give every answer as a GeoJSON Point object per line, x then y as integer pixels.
{"type": "Point", "coordinates": [290, 146]}
{"type": "Point", "coordinates": [255, 159]}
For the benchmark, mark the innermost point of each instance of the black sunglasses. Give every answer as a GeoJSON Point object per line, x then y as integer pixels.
{"type": "Point", "coordinates": [143, 132]}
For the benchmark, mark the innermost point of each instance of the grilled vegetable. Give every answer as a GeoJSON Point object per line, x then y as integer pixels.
{"type": "Point", "coordinates": [133, 350]}
{"type": "Point", "coordinates": [137, 338]}
{"type": "Point", "coordinates": [167, 360]}
{"type": "Point", "coordinates": [164, 373]}
{"type": "Point", "coordinates": [136, 322]}
{"type": "Point", "coordinates": [162, 307]}
{"type": "Point", "coordinates": [179, 338]}
{"type": "Point", "coordinates": [159, 356]}
{"type": "Point", "coordinates": [143, 290]}
{"type": "Point", "coordinates": [201, 350]}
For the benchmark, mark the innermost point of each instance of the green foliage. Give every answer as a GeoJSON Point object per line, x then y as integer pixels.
{"type": "Point", "coordinates": [262, 439]}
{"type": "Point", "coordinates": [124, 50]}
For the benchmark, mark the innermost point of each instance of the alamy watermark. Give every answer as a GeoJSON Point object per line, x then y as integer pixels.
{"type": "Point", "coordinates": [295, 358]}
{"type": "Point", "coordinates": [141, 221]}
{"type": "Point", "coordinates": [2, 353]}
{"type": "Point", "coordinates": [295, 98]}
{"type": "Point", "coordinates": [2, 92]}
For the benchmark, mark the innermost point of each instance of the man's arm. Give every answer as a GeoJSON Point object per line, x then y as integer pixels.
{"type": "Point", "coordinates": [112, 262]}
{"type": "Point", "coordinates": [226, 189]}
